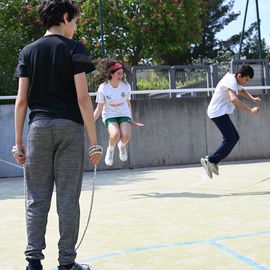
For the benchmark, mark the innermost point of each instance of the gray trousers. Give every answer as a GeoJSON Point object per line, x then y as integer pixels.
{"type": "Point", "coordinates": [55, 155]}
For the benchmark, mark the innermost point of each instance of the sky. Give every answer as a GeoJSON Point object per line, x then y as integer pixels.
{"type": "Point", "coordinates": [236, 26]}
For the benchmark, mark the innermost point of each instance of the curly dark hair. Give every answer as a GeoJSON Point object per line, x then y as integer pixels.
{"type": "Point", "coordinates": [51, 11]}
{"type": "Point", "coordinates": [104, 69]}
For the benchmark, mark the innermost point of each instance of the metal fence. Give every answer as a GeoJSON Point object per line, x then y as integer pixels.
{"type": "Point", "coordinates": [261, 72]}
{"type": "Point", "coordinates": [8, 84]}
{"type": "Point", "coordinates": [160, 77]}
{"type": "Point", "coordinates": [192, 77]}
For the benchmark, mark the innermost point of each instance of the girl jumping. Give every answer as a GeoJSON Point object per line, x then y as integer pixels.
{"type": "Point", "coordinates": [113, 98]}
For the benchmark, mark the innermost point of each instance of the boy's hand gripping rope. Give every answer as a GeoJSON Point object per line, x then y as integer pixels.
{"type": "Point", "coordinates": [17, 152]}
{"type": "Point", "coordinates": [94, 149]}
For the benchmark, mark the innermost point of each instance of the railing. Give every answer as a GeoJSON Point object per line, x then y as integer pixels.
{"type": "Point", "coordinates": [166, 91]}
{"type": "Point", "coordinates": [170, 77]}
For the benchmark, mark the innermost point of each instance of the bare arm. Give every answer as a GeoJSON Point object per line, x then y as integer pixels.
{"type": "Point", "coordinates": [130, 108]}
{"type": "Point", "coordinates": [98, 111]}
{"type": "Point", "coordinates": [20, 113]}
{"type": "Point", "coordinates": [86, 108]}
{"type": "Point", "coordinates": [236, 101]}
{"type": "Point", "coordinates": [248, 96]}
{"type": "Point", "coordinates": [133, 123]}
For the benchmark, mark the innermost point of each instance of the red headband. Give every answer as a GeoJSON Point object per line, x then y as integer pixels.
{"type": "Point", "coordinates": [116, 66]}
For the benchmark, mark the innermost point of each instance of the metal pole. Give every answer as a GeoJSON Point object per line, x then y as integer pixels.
{"type": "Point", "coordinates": [243, 30]}
{"type": "Point", "coordinates": [101, 28]}
{"type": "Point", "coordinates": [259, 30]}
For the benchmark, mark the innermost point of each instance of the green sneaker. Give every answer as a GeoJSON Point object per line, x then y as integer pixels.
{"type": "Point", "coordinates": [207, 166]}
{"type": "Point", "coordinates": [214, 168]}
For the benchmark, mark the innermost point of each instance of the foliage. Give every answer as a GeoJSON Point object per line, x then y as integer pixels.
{"type": "Point", "coordinates": [19, 25]}
{"type": "Point", "coordinates": [159, 80]}
{"type": "Point", "coordinates": [211, 50]}
{"type": "Point", "coordinates": [153, 81]}
{"type": "Point", "coordinates": [219, 14]}
{"type": "Point", "coordinates": [138, 30]}
{"type": "Point", "coordinates": [159, 30]}
{"type": "Point", "coordinates": [250, 46]}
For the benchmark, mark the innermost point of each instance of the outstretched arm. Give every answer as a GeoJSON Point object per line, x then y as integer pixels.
{"type": "Point", "coordinates": [248, 96]}
{"type": "Point", "coordinates": [130, 108]}
{"type": "Point", "coordinates": [133, 123]}
{"type": "Point", "coordinates": [236, 101]}
{"type": "Point", "coordinates": [98, 111]}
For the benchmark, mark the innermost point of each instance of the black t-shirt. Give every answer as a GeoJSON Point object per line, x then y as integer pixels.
{"type": "Point", "coordinates": [50, 63]}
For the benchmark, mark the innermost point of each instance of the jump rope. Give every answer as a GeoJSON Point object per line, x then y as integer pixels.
{"type": "Point", "coordinates": [98, 149]}
{"type": "Point", "coordinates": [94, 149]}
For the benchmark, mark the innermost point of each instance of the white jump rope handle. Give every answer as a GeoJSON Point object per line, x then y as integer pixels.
{"type": "Point", "coordinates": [17, 152]}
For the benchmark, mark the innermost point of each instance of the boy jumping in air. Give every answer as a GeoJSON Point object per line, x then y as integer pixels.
{"type": "Point", "coordinates": [221, 105]}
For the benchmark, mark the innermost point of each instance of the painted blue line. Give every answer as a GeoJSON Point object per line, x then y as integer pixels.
{"type": "Point", "coordinates": [189, 243]}
{"type": "Point", "coordinates": [240, 236]}
{"type": "Point", "coordinates": [186, 243]}
{"type": "Point", "coordinates": [239, 256]}
{"type": "Point", "coordinates": [165, 246]}
{"type": "Point", "coordinates": [145, 248]}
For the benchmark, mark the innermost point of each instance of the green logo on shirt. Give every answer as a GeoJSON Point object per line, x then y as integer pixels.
{"type": "Point", "coordinates": [123, 94]}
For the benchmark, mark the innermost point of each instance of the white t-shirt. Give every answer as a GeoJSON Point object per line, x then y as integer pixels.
{"type": "Point", "coordinates": [115, 100]}
{"type": "Point", "coordinates": [220, 103]}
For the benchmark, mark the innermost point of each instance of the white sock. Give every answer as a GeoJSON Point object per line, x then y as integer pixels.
{"type": "Point", "coordinates": [111, 147]}
{"type": "Point", "coordinates": [121, 144]}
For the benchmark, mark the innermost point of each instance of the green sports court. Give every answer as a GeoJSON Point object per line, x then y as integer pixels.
{"type": "Point", "coordinates": [165, 218]}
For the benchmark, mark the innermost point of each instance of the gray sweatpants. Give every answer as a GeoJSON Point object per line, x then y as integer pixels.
{"type": "Point", "coordinates": [55, 153]}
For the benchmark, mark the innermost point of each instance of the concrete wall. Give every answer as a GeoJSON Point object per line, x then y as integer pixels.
{"type": "Point", "coordinates": [177, 131]}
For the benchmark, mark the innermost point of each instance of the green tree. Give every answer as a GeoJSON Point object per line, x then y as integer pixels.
{"type": "Point", "coordinates": [135, 30]}
{"type": "Point", "coordinates": [18, 26]}
{"type": "Point", "coordinates": [250, 46]}
{"type": "Point", "coordinates": [211, 49]}
{"type": "Point", "coordinates": [218, 15]}
{"type": "Point", "coordinates": [144, 30]}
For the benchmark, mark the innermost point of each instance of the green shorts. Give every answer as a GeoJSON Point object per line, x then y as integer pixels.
{"type": "Point", "coordinates": [118, 120]}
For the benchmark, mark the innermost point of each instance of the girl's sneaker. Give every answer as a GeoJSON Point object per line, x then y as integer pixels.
{"type": "Point", "coordinates": [109, 157]}
{"type": "Point", "coordinates": [122, 152]}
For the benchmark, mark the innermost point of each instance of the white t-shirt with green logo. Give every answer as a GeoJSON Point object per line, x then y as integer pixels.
{"type": "Point", "coordinates": [220, 103]}
{"type": "Point", "coordinates": [115, 100]}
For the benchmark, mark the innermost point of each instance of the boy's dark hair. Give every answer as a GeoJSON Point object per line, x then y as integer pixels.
{"type": "Point", "coordinates": [245, 70]}
{"type": "Point", "coordinates": [51, 11]}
